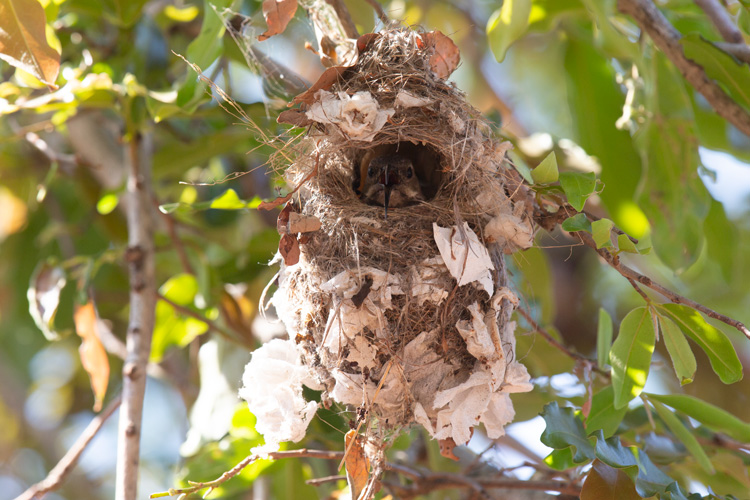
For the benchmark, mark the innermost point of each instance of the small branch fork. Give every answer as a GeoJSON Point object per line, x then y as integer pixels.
{"type": "Point", "coordinates": [423, 482]}
{"type": "Point", "coordinates": [650, 19]}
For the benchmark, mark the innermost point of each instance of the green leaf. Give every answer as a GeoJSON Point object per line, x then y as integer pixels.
{"type": "Point", "coordinates": [23, 40]}
{"type": "Point", "coordinates": [707, 414]}
{"type": "Point", "coordinates": [631, 355]}
{"type": "Point", "coordinates": [602, 230]}
{"type": "Point", "coordinates": [651, 480]}
{"type": "Point", "coordinates": [721, 240]}
{"type": "Point", "coordinates": [603, 338]}
{"type": "Point", "coordinates": [107, 203]}
{"type": "Point", "coordinates": [714, 343]}
{"type": "Point", "coordinates": [685, 435]}
{"type": "Point", "coordinates": [578, 186]}
{"type": "Point", "coordinates": [607, 483]}
{"type": "Point", "coordinates": [561, 459]}
{"type": "Point", "coordinates": [506, 25]}
{"type": "Point", "coordinates": [732, 74]}
{"type": "Point", "coordinates": [603, 414]}
{"type": "Point", "coordinates": [679, 350]}
{"type": "Point", "coordinates": [564, 429]}
{"type": "Point", "coordinates": [625, 245]}
{"type": "Point", "coordinates": [579, 222]}
{"type": "Point", "coordinates": [546, 172]}
{"type": "Point", "coordinates": [180, 289]}
{"type": "Point", "coordinates": [228, 201]}
{"type": "Point", "coordinates": [538, 282]}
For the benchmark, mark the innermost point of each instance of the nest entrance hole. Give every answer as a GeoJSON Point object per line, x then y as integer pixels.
{"type": "Point", "coordinates": [427, 162]}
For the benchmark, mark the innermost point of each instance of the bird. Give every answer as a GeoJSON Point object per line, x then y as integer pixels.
{"type": "Point", "coordinates": [391, 181]}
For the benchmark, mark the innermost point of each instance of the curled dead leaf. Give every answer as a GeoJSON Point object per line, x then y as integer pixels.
{"type": "Point", "coordinates": [294, 117]}
{"type": "Point", "coordinates": [277, 14]}
{"type": "Point", "coordinates": [357, 464]}
{"type": "Point", "coordinates": [325, 82]}
{"type": "Point", "coordinates": [93, 356]}
{"type": "Point", "coordinates": [445, 54]}
{"type": "Point", "coordinates": [289, 249]}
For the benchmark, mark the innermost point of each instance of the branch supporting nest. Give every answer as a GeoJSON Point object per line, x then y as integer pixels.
{"type": "Point", "coordinates": [667, 39]}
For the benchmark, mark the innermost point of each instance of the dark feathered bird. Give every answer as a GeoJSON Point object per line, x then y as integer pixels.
{"type": "Point", "coordinates": [391, 182]}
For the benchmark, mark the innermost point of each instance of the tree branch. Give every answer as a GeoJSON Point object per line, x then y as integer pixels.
{"type": "Point", "coordinates": [424, 482]}
{"type": "Point", "coordinates": [58, 474]}
{"type": "Point", "coordinates": [738, 50]}
{"type": "Point", "coordinates": [667, 38]}
{"type": "Point", "coordinates": [721, 20]}
{"type": "Point", "coordinates": [140, 259]}
{"type": "Point", "coordinates": [631, 274]}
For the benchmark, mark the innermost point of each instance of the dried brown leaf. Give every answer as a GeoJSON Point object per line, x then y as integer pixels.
{"type": "Point", "coordinates": [325, 82]}
{"type": "Point", "coordinates": [93, 356]}
{"type": "Point", "coordinates": [294, 117]}
{"type": "Point", "coordinates": [445, 56]}
{"type": "Point", "coordinates": [289, 249]}
{"type": "Point", "coordinates": [277, 13]}
{"type": "Point", "coordinates": [357, 464]}
{"type": "Point", "coordinates": [299, 223]}
{"type": "Point", "coordinates": [23, 40]}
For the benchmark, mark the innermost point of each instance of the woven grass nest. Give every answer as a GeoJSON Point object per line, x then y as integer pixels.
{"type": "Point", "coordinates": [403, 319]}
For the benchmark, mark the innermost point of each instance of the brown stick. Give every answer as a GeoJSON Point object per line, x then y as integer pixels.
{"type": "Point", "coordinates": [379, 11]}
{"type": "Point", "coordinates": [721, 19]}
{"type": "Point", "coordinates": [667, 38]}
{"type": "Point", "coordinates": [140, 259]}
{"type": "Point", "coordinates": [58, 474]}
{"type": "Point", "coordinates": [631, 274]}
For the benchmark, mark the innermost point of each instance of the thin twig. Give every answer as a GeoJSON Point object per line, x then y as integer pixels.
{"type": "Point", "coordinates": [424, 482]}
{"type": "Point", "coordinates": [140, 259]}
{"type": "Point", "coordinates": [667, 38]}
{"type": "Point", "coordinates": [58, 474]}
{"type": "Point", "coordinates": [322, 480]}
{"type": "Point", "coordinates": [211, 324]}
{"type": "Point", "coordinates": [379, 11]}
{"type": "Point", "coordinates": [738, 50]}
{"type": "Point", "coordinates": [721, 19]}
{"type": "Point", "coordinates": [631, 274]}
{"type": "Point", "coordinates": [555, 343]}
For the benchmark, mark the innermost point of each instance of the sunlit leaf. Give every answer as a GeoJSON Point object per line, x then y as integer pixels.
{"type": "Point", "coordinates": [277, 14]}
{"type": "Point", "coordinates": [107, 203]}
{"type": "Point", "coordinates": [357, 465]}
{"type": "Point", "coordinates": [685, 435]}
{"type": "Point", "coordinates": [546, 172]}
{"type": "Point", "coordinates": [603, 338]}
{"type": "Point", "coordinates": [506, 25]}
{"type": "Point", "coordinates": [630, 356]}
{"type": "Point", "coordinates": [578, 187]}
{"type": "Point", "coordinates": [93, 356]}
{"type": "Point", "coordinates": [625, 245]}
{"type": "Point", "coordinates": [561, 459]}
{"type": "Point", "coordinates": [601, 230]}
{"type": "Point", "coordinates": [23, 39]}
{"type": "Point", "coordinates": [679, 350]}
{"type": "Point", "coordinates": [180, 289]}
{"type": "Point", "coordinates": [228, 201]}
{"type": "Point", "coordinates": [564, 429]}
{"type": "Point", "coordinates": [714, 343]}
{"type": "Point", "coordinates": [707, 414]}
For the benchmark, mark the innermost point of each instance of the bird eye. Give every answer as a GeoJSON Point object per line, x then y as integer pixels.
{"type": "Point", "coordinates": [409, 173]}
{"type": "Point", "coordinates": [371, 172]}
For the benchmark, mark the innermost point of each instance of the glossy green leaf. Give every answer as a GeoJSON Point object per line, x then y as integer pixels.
{"type": "Point", "coordinates": [603, 338]}
{"type": "Point", "coordinates": [546, 172]}
{"type": "Point", "coordinates": [685, 435]}
{"type": "Point", "coordinates": [607, 483]}
{"type": "Point", "coordinates": [630, 356]}
{"type": "Point", "coordinates": [180, 289]}
{"type": "Point", "coordinates": [228, 201]}
{"type": "Point", "coordinates": [564, 429]}
{"type": "Point", "coordinates": [561, 459]}
{"type": "Point", "coordinates": [107, 203]}
{"type": "Point", "coordinates": [578, 186]}
{"type": "Point", "coordinates": [506, 25]}
{"type": "Point", "coordinates": [714, 343]}
{"type": "Point", "coordinates": [579, 222]}
{"type": "Point", "coordinates": [603, 414]}
{"type": "Point", "coordinates": [679, 350]}
{"type": "Point", "coordinates": [707, 414]}
{"type": "Point", "coordinates": [731, 73]}
{"type": "Point", "coordinates": [625, 245]}
{"type": "Point", "coordinates": [601, 230]}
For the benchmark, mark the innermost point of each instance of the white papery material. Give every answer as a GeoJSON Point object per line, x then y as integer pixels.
{"type": "Point", "coordinates": [358, 116]}
{"type": "Point", "coordinates": [465, 256]}
{"type": "Point", "coordinates": [272, 387]}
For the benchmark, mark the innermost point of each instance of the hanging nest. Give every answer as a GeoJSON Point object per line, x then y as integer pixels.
{"type": "Point", "coordinates": [405, 318]}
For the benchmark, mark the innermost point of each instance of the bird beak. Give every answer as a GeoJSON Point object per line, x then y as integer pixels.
{"type": "Point", "coordinates": [387, 192]}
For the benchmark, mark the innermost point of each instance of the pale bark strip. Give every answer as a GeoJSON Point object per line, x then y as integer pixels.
{"type": "Point", "coordinates": [667, 38]}
{"type": "Point", "coordinates": [58, 474]}
{"type": "Point", "coordinates": [140, 259]}
{"type": "Point", "coordinates": [721, 20]}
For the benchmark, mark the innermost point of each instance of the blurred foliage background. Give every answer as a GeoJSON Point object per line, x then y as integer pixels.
{"type": "Point", "coordinates": [575, 78]}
